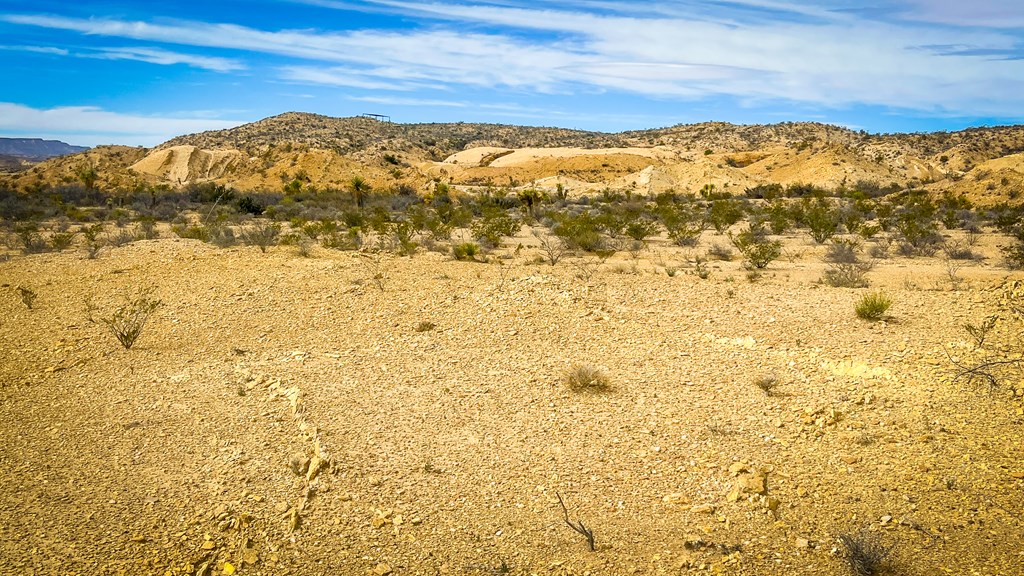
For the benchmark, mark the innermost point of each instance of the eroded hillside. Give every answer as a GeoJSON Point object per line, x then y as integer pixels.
{"type": "Point", "coordinates": [319, 152]}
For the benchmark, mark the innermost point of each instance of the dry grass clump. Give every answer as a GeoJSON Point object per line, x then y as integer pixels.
{"type": "Point", "coordinates": [873, 306]}
{"type": "Point", "coordinates": [865, 555]}
{"type": "Point", "coordinates": [767, 383]}
{"type": "Point", "coordinates": [585, 378]}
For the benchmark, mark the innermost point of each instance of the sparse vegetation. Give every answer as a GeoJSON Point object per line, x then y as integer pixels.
{"type": "Point", "coordinates": [586, 378]}
{"type": "Point", "coordinates": [262, 234]}
{"type": "Point", "coordinates": [865, 555]}
{"type": "Point", "coordinates": [873, 306]}
{"type": "Point", "coordinates": [127, 322]}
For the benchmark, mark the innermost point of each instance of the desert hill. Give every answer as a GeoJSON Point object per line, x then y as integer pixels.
{"type": "Point", "coordinates": [324, 152]}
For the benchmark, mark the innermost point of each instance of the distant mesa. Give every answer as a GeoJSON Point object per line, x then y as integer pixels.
{"type": "Point", "coordinates": [36, 149]}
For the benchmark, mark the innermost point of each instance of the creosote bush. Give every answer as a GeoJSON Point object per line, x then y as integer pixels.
{"type": "Point", "coordinates": [873, 306]}
{"type": "Point", "coordinates": [262, 234]}
{"type": "Point", "coordinates": [130, 318]}
{"type": "Point", "coordinates": [585, 378]}
{"type": "Point", "coordinates": [758, 251]}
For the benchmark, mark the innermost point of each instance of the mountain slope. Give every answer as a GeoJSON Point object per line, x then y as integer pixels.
{"type": "Point", "coordinates": [324, 152]}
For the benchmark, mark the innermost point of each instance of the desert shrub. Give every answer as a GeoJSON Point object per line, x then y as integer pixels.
{"type": "Point", "coordinates": [914, 220]}
{"type": "Point", "coordinates": [220, 235]}
{"type": "Point", "coordinates": [721, 252]}
{"type": "Point", "coordinates": [765, 191]}
{"type": "Point", "coordinates": [847, 274]}
{"type": "Point", "coordinates": [465, 251]}
{"type": "Point", "coordinates": [845, 269]}
{"type": "Point", "coordinates": [1013, 254]}
{"type": "Point", "coordinates": [194, 232]}
{"type": "Point", "coordinates": [120, 238]}
{"type": "Point", "coordinates": [93, 242]}
{"type": "Point", "coordinates": [821, 219]}
{"type": "Point", "coordinates": [778, 217]}
{"type": "Point", "coordinates": [250, 205]}
{"type": "Point", "coordinates": [30, 238]}
{"type": "Point", "coordinates": [956, 250]}
{"type": "Point", "coordinates": [351, 239]}
{"type": "Point", "coordinates": [724, 213]}
{"type": "Point", "coordinates": [684, 223]}
{"type": "Point", "coordinates": [852, 218]}
{"type": "Point", "coordinates": [640, 229]}
{"type": "Point", "coordinates": [261, 233]}
{"type": "Point", "coordinates": [129, 319]}
{"type": "Point", "coordinates": [552, 248]}
{"type": "Point", "coordinates": [998, 354]}
{"type": "Point", "coordinates": [147, 229]}
{"type": "Point", "coordinates": [60, 241]}
{"type": "Point", "coordinates": [842, 251]}
{"type": "Point", "coordinates": [873, 306]}
{"type": "Point", "coordinates": [757, 249]}
{"type": "Point", "coordinates": [579, 232]}
{"type": "Point", "coordinates": [868, 231]}
{"type": "Point", "coordinates": [865, 555]}
{"type": "Point", "coordinates": [585, 378]}
{"type": "Point", "coordinates": [493, 225]}
{"type": "Point", "coordinates": [425, 326]}
{"type": "Point", "coordinates": [400, 235]}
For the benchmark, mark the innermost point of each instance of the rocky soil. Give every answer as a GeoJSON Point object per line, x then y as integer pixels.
{"type": "Point", "coordinates": [362, 414]}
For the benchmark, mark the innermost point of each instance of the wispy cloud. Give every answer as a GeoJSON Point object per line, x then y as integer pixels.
{"type": "Point", "coordinates": [37, 49]}
{"type": "Point", "coordinates": [90, 125]}
{"type": "Point", "coordinates": [828, 53]}
{"type": "Point", "coordinates": [166, 57]}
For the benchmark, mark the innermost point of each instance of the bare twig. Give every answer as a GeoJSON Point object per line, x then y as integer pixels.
{"type": "Point", "coordinates": [578, 526]}
{"type": "Point", "coordinates": [985, 370]}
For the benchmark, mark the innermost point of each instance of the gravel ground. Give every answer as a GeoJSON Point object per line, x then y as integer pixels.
{"type": "Point", "coordinates": [288, 415]}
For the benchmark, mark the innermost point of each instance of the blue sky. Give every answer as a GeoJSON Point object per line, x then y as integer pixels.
{"type": "Point", "coordinates": [139, 73]}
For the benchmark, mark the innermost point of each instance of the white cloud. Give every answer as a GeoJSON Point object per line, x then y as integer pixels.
{"type": "Point", "coordinates": [824, 54]}
{"type": "Point", "coordinates": [166, 57]}
{"type": "Point", "coordinates": [90, 126]}
{"type": "Point", "coordinates": [37, 49]}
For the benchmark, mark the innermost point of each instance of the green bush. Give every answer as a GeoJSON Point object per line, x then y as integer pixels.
{"type": "Point", "coordinates": [873, 306]}
{"type": "Point", "coordinates": [494, 225]}
{"type": "Point", "coordinates": [758, 251]}
{"type": "Point", "coordinates": [579, 232]}
{"type": "Point", "coordinates": [684, 223]}
{"type": "Point", "coordinates": [822, 220]}
{"type": "Point", "coordinates": [725, 213]}
{"type": "Point", "coordinates": [466, 251]}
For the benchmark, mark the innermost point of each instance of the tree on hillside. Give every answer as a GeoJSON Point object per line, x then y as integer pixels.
{"type": "Point", "coordinates": [360, 189]}
{"type": "Point", "coordinates": [88, 176]}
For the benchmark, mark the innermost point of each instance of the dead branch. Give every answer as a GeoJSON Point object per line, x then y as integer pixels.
{"type": "Point", "coordinates": [578, 526]}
